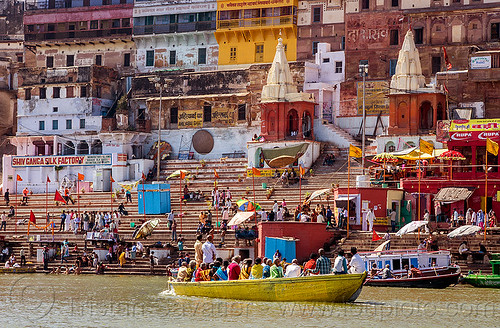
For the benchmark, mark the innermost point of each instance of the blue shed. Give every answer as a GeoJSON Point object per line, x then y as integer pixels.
{"type": "Point", "coordinates": [156, 198]}
{"type": "Point", "coordinates": [286, 246]}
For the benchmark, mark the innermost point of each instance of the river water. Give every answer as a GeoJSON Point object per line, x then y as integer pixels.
{"type": "Point", "coordinates": [35, 300]}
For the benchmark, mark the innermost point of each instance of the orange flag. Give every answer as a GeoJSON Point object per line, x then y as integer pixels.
{"type": "Point", "coordinates": [111, 178]}
{"type": "Point", "coordinates": [302, 171]}
{"type": "Point", "coordinates": [48, 180]}
{"type": "Point", "coordinates": [182, 175]}
{"type": "Point", "coordinates": [32, 217]}
{"type": "Point", "coordinates": [255, 172]}
{"type": "Point", "coordinates": [58, 197]}
{"type": "Point", "coordinates": [375, 236]}
{"type": "Point", "coordinates": [81, 177]}
{"type": "Point", "coordinates": [216, 174]}
{"type": "Point", "coordinates": [19, 178]}
{"type": "Point", "coordinates": [143, 176]}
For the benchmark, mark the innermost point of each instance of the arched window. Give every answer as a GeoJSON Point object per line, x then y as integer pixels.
{"type": "Point", "coordinates": [271, 123]}
{"type": "Point", "coordinates": [306, 125]}
{"type": "Point", "coordinates": [292, 123]}
{"type": "Point", "coordinates": [69, 148]}
{"type": "Point", "coordinates": [97, 147]}
{"type": "Point", "coordinates": [83, 148]}
{"type": "Point", "coordinates": [390, 147]}
{"type": "Point", "coordinates": [426, 116]}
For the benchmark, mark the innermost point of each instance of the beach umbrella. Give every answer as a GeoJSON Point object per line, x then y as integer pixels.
{"type": "Point", "coordinates": [246, 205]}
{"type": "Point", "coordinates": [381, 247]}
{"type": "Point", "coordinates": [281, 161]}
{"type": "Point", "coordinates": [466, 230]}
{"type": "Point", "coordinates": [451, 155]}
{"type": "Point", "coordinates": [146, 229]}
{"type": "Point", "coordinates": [410, 227]}
{"type": "Point", "coordinates": [177, 173]}
{"type": "Point", "coordinates": [240, 218]}
{"type": "Point", "coordinates": [316, 194]}
{"type": "Point", "coordinates": [385, 158]}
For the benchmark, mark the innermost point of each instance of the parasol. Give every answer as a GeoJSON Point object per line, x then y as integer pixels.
{"type": "Point", "coordinates": [177, 173]}
{"type": "Point", "coordinates": [465, 230]}
{"type": "Point", "coordinates": [410, 227]}
{"type": "Point", "coordinates": [246, 205]}
{"type": "Point", "coordinates": [381, 247]}
{"type": "Point", "coordinates": [240, 217]}
{"type": "Point", "coordinates": [146, 229]}
{"type": "Point", "coordinates": [316, 194]}
{"type": "Point", "coordinates": [452, 155]}
{"type": "Point", "coordinates": [385, 158]}
{"type": "Point", "coordinates": [281, 161]}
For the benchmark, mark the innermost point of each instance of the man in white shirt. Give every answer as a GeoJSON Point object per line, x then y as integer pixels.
{"type": "Point", "coordinates": [279, 214]}
{"type": "Point", "coordinates": [370, 217]}
{"type": "Point", "coordinates": [293, 270]}
{"type": "Point", "coordinates": [209, 252]}
{"type": "Point", "coordinates": [340, 265]}
{"type": "Point", "coordinates": [275, 208]}
{"type": "Point", "coordinates": [263, 215]}
{"type": "Point", "coordinates": [357, 265]}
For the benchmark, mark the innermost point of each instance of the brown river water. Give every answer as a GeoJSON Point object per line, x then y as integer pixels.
{"type": "Point", "coordinates": [35, 300]}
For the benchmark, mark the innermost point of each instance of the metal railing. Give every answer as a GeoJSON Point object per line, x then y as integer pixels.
{"type": "Point", "coordinates": [174, 28]}
{"type": "Point", "coordinates": [85, 34]}
{"type": "Point", "coordinates": [257, 22]}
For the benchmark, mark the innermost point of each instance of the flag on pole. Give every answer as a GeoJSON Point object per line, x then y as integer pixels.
{"type": "Point", "coordinates": [375, 236]}
{"type": "Point", "coordinates": [58, 197]}
{"type": "Point", "coordinates": [492, 146]}
{"type": "Point", "coordinates": [19, 178]}
{"type": "Point", "coordinates": [446, 60]}
{"type": "Point", "coordinates": [32, 217]}
{"type": "Point", "coordinates": [355, 151]}
{"type": "Point", "coordinates": [143, 176]}
{"type": "Point", "coordinates": [255, 172]}
{"type": "Point", "coordinates": [111, 178]}
{"type": "Point", "coordinates": [426, 147]}
{"type": "Point", "coordinates": [48, 180]}
{"type": "Point", "coordinates": [445, 89]}
{"type": "Point", "coordinates": [216, 174]}
{"type": "Point", "coordinates": [182, 175]}
{"type": "Point", "coordinates": [302, 171]}
{"type": "Point", "coordinates": [81, 177]}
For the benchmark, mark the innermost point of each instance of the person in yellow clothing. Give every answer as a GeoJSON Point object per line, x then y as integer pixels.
{"type": "Point", "coordinates": [121, 259]}
{"type": "Point", "coordinates": [246, 269]}
{"type": "Point", "coordinates": [257, 269]}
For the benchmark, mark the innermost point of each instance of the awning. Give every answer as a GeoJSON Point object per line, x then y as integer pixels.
{"type": "Point", "coordinates": [240, 217]}
{"type": "Point", "coordinates": [344, 197]}
{"type": "Point", "coordinates": [451, 195]}
{"type": "Point", "coordinates": [416, 154]}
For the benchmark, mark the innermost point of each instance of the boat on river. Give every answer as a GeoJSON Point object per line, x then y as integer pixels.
{"type": "Point", "coordinates": [429, 278]}
{"type": "Point", "coordinates": [18, 270]}
{"type": "Point", "coordinates": [316, 288]}
{"type": "Point", "coordinates": [486, 280]}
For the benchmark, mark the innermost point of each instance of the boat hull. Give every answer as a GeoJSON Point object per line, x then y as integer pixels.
{"type": "Point", "coordinates": [438, 282]}
{"type": "Point", "coordinates": [321, 288]}
{"type": "Point", "coordinates": [18, 270]}
{"type": "Point", "coordinates": [476, 280]}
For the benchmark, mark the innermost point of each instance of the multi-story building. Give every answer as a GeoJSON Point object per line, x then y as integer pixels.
{"type": "Point", "coordinates": [65, 33]}
{"type": "Point", "coordinates": [175, 34]}
{"type": "Point", "coordinates": [247, 31]}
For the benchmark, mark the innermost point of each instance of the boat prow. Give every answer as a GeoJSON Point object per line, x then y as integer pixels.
{"type": "Point", "coordinates": [320, 288]}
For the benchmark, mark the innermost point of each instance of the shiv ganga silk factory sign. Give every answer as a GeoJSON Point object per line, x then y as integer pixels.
{"type": "Point", "coordinates": [71, 160]}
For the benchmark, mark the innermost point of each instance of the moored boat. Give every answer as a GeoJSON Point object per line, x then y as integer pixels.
{"type": "Point", "coordinates": [18, 270]}
{"type": "Point", "coordinates": [486, 280]}
{"type": "Point", "coordinates": [320, 288]}
{"type": "Point", "coordinates": [425, 281]}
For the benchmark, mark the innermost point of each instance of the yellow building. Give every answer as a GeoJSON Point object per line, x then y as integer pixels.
{"type": "Point", "coordinates": [248, 30]}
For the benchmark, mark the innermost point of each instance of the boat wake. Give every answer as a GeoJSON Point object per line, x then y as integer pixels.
{"type": "Point", "coordinates": [168, 292]}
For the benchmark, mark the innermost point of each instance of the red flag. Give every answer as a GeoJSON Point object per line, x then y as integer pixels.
{"type": "Point", "coordinates": [302, 171]}
{"type": "Point", "coordinates": [375, 236]}
{"type": "Point", "coordinates": [445, 88]}
{"type": "Point", "coordinates": [182, 175]}
{"type": "Point", "coordinates": [216, 174]}
{"type": "Point", "coordinates": [255, 172]}
{"type": "Point", "coordinates": [447, 60]}
{"type": "Point", "coordinates": [19, 178]}
{"type": "Point", "coordinates": [81, 177]}
{"type": "Point", "coordinates": [48, 180]}
{"type": "Point", "coordinates": [143, 176]}
{"type": "Point", "coordinates": [32, 217]}
{"type": "Point", "coordinates": [111, 179]}
{"type": "Point", "coordinates": [58, 197]}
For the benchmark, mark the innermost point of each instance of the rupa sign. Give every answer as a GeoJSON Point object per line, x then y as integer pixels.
{"type": "Point", "coordinates": [480, 62]}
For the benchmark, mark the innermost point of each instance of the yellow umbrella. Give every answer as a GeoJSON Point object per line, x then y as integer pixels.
{"type": "Point", "coordinates": [177, 173]}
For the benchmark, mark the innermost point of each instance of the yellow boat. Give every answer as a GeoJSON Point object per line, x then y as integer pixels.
{"type": "Point", "coordinates": [320, 288]}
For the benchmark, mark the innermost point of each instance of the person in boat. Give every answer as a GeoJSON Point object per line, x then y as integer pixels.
{"type": "Point", "coordinates": [374, 270]}
{"type": "Point", "coordinates": [190, 271]}
{"type": "Point", "coordinates": [414, 272]}
{"type": "Point", "coordinates": [356, 265]}
{"type": "Point", "coordinates": [266, 270]}
{"type": "Point", "coordinates": [257, 269]}
{"type": "Point", "coordinates": [233, 270]}
{"type": "Point", "coordinates": [213, 269]}
{"type": "Point", "coordinates": [182, 273]}
{"type": "Point", "coordinates": [276, 269]}
{"type": "Point", "coordinates": [246, 269]}
{"type": "Point", "coordinates": [221, 273]}
{"type": "Point", "coordinates": [198, 252]}
{"type": "Point", "coordinates": [387, 273]}
{"type": "Point", "coordinates": [293, 270]}
{"type": "Point", "coordinates": [340, 264]}
{"type": "Point", "coordinates": [202, 273]}
{"type": "Point", "coordinates": [323, 264]}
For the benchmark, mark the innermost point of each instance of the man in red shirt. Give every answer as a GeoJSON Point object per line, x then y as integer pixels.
{"type": "Point", "coordinates": [234, 268]}
{"type": "Point", "coordinates": [311, 264]}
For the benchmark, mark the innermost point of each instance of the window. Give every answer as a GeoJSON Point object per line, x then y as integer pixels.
{"type": "Point", "coordinates": [342, 43]}
{"type": "Point", "coordinates": [326, 60]}
{"type": "Point", "coordinates": [394, 37]}
{"type": "Point", "coordinates": [316, 15]}
{"type": "Point", "coordinates": [55, 109]}
{"type": "Point", "coordinates": [338, 67]}
{"type": "Point", "coordinates": [20, 58]}
{"type": "Point", "coordinates": [70, 92]}
{"type": "Point", "coordinates": [82, 123]}
{"type": "Point", "coordinates": [495, 31]}
{"type": "Point", "coordinates": [94, 25]}
{"type": "Point", "coordinates": [259, 53]}
{"type": "Point", "coordinates": [202, 56]}
{"type": "Point", "coordinates": [43, 93]}
{"type": "Point", "coordinates": [174, 115]}
{"type": "Point", "coordinates": [149, 20]}
{"type": "Point", "coordinates": [242, 112]}
{"type": "Point", "coordinates": [27, 93]}
{"type": "Point", "coordinates": [419, 35]}
{"type": "Point", "coordinates": [436, 64]}
{"type": "Point", "coordinates": [56, 92]}
{"type": "Point", "coordinates": [115, 23]}
{"type": "Point", "coordinates": [172, 56]}
{"type": "Point", "coordinates": [395, 3]}
{"type": "Point", "coordinates": [98, 60]}
{"type": "Point", "coordinates": [69, 124]}
{"type": "Point", "coordinates": [70, 60]}
{"type": "Point", "coordinates": [50, 61]}
{"type": "Point", "coordinates": [125, 22]}
{"type": "Point", "coordinates": [126, 60]}
{"type": "Point", "coordinates": [363, 62]}
{"type": "Point", "coordinates": [207, 113]}
{"type": "Point", "coordinates": [365, 4]}
{"type": "Point", "coordinates": [41, 125]}
{"type": "Point", "coordinates": [392, 66]}
{"type": "Point", "coordinates": [98, 91]}
{"type": "Point", "coordinates": [83, 91]}
{"type": "Point", "coordinates": [55, 124]}
{"type": "Point", "coordinates": [150, 57]}
{"type": "Point", "coordinates": [232, 54]}
{"type": "Point", "coordinates": [315, 47]}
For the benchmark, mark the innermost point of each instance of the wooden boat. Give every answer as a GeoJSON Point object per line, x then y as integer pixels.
{"type": "Point", "coordinates": [18, 270]}
{"type": "Point", "coordinates": [320, 288]}
{"type": "Point", "coordinates": [486, 280]}
{"type": "Point", "coordinates": [438, 282]}
{"type": "Point", "coordinates": [146, 229]}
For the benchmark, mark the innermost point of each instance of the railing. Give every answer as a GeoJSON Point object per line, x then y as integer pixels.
{"type": "Point", "coordinates": [59, 4]}
{"type": "Point", "coordinates": [174, 28]}
{"type": "Point", "coordinates": [257, 22]}
{"type": "Point", "coordinates": [86, 34]}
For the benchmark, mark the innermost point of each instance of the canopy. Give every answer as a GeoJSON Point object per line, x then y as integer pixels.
{"type": "Point", "coordinates": [240, 217]}
{"type": "Point", "coordinates": [281, 161]}
{"type": "Point", "coordinates": [381, 247]}
{"type": "Point", "coordinates": [465, 230]}
{"type": "Point", "coordinates": [344, 197]}
{"type": "Point", "coordinates": [177, 173]}
{"type": "Point", "coordinates": [385, 158]}
{"type": "Point", "coordinates": [452, 155]}
{"type": "Point", "coordinates": [410, 227]}
{"type": "Point", "coordinates": [316, 194]}
{"type": "Point", "coordinates": [416, 154]}
{"type": "Point", "coordinates": [246, 205]}
{"type": "Point", "coordinates": [283, 156]}
{"type": "Point", "coordinates": [146, 229]}
{"type": "Point", "coordinates": [452, 194]}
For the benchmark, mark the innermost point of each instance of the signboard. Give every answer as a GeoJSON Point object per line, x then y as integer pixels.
{"type": "Point", "coordinates": [480, 62]}
{"type": "Point", "coordinates": [174, 9]}
{"type": "Point", "coordinates": [223, 115]}
{"type": "Point", "coordinates": [239, 4]}
{"type": "Point", "coordinates": [69, 160]}
{"type": "Point", "coordinates": [190, 119]}
{"type": "Point", "coordinates": [376, 99]}
{"type": "Point", "coordinates": [471, 130]}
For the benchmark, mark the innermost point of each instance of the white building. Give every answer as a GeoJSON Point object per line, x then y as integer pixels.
{"type": "Point", "coordinates": [175, 35]}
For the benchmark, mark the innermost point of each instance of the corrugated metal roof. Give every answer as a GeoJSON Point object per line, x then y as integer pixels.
{"type": "Point", "coordinates": [448, 195]}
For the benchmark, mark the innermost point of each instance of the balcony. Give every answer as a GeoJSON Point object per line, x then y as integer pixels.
{"type": "Point", "coordinates": [174, 28]}
{"type": "Point", "coordinates": [32, 36]}
{"type": "Point", "coordinates": [60, 4]}
{"type": "Point", "coordinates": [256, 22]}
